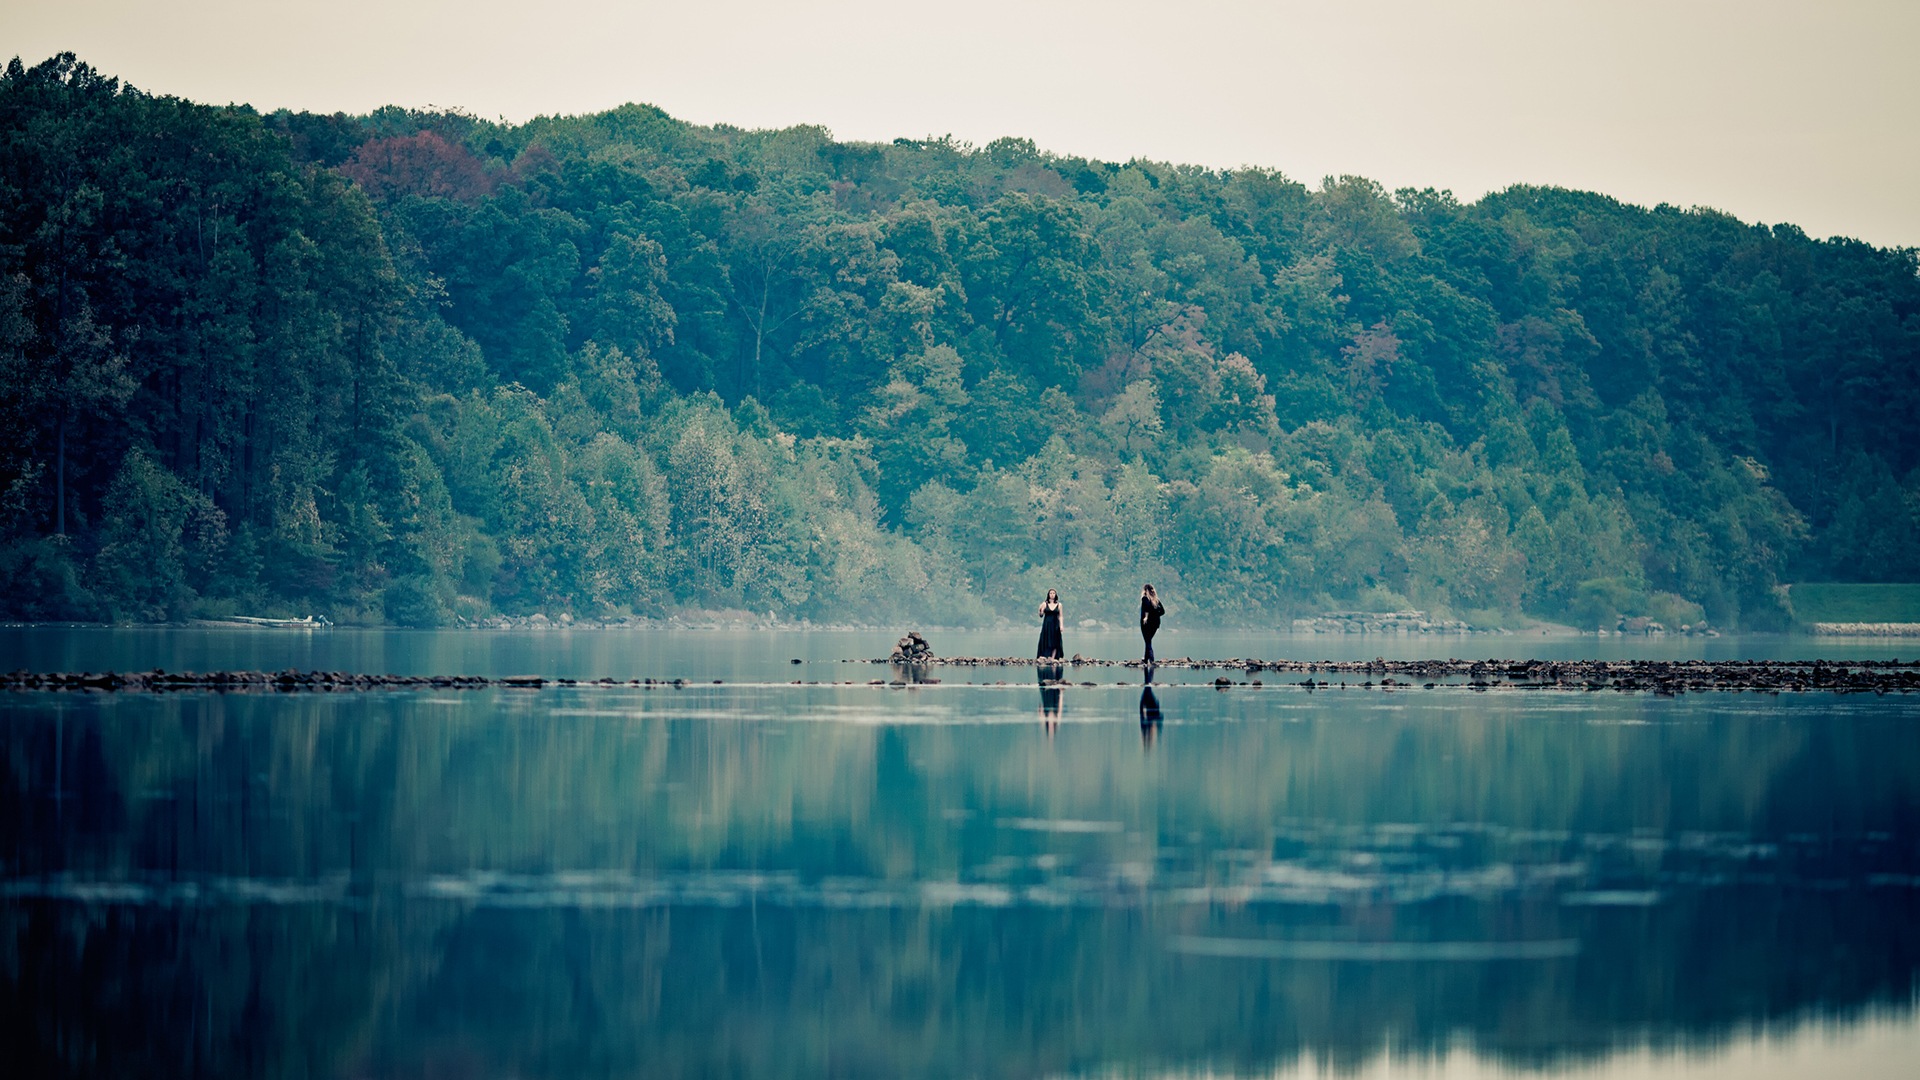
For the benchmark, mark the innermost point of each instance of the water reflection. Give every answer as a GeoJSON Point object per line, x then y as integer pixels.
{"type": "Point", "coordinates": [624, 882]}
{"type": "Point", "coordinates": [1149, 708]}
{"type": "Point", "coordinates": [908, 674]}
{"type": "Point", "coordinates": [1052, 678]}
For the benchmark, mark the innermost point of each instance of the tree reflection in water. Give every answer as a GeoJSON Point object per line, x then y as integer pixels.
{"type": "Point", "coordinates": [571, 882]}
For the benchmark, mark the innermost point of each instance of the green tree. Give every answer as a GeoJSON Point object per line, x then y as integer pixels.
{"type": "Point", "coordinates": [157, 538]}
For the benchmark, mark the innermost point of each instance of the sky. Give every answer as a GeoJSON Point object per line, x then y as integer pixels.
{"type": "Point", "coordinates": [1775, 111]}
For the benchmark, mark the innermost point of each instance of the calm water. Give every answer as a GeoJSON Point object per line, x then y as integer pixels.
{"type": "Point", "coordinates": [758, 879]}
{"type": "Point", "coordinates": [761, 656]}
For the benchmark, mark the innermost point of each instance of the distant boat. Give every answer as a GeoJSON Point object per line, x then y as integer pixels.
{"type": "Point", "coordinates": [308, 623]}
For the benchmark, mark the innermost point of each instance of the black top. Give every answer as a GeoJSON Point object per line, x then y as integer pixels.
{"type": "Point", "coordinates": [1150, 612]}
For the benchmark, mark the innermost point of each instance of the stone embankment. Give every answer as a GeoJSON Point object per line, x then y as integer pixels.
{"type": "Point", "coordinates": [1659, 676]}
{"type": "Point", "coordinates": [1866, 629]}
{"type": "Point", "coordinates": [1380, 622]}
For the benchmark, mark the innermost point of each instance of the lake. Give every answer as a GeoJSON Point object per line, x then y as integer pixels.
{"type": "Point", "coordinates": [983, 877]}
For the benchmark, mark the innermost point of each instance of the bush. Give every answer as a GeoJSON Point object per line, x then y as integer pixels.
{"type": "Point", "coordinates": [1602, 602]}
{"type": "Point", "coordinates": [1674, 611]}
{"type": "Point", "coordinates": [155, 531]}
{"type": "Point", "coordinates": [42, 583]}
{"type": "Point", "coordinates": [413, 601]}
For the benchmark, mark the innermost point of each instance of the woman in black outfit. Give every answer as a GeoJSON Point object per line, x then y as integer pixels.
{"type": "Point", "coordinates": [1051, 647]}
{"type": "Point", "coordinates": [1150, 611]}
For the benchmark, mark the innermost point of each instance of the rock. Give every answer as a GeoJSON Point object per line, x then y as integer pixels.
{"type": "Point", "coordinates": [912, 649]}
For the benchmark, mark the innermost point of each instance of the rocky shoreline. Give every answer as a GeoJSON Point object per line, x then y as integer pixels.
{"type": "Point", "coordinates": [1661, 677]}
{"type": "Point", "coordinates": [1384, 622]}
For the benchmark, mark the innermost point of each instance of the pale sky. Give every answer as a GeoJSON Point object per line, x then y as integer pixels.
{"type": "Point", "coordinates": [1807, 112]}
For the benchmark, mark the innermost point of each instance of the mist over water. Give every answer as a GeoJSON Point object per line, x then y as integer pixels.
{"type": "Point", "coordinates": [762, 879]}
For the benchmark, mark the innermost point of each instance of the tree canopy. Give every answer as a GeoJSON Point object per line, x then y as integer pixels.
{"type": "Point", "coordinates": [415, 366]}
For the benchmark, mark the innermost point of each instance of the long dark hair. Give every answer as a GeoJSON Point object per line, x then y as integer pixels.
{"type": "Point", "coordinates": [1053, 597]}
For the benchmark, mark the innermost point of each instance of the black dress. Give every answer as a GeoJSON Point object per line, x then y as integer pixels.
{"type": "Point", "coordinates": [1150, 612]}
{"type": "Point", "coordinates": [1051, 646]}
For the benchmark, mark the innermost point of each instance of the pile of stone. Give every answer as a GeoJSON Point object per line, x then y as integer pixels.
{"type": "Point", "coordinates": [1378, 622]}
{"type": "Point", "coordinates": [912, 649]}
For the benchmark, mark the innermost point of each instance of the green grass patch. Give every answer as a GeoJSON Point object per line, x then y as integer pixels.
{"type": "Point", "coordinates": [1855, 603]}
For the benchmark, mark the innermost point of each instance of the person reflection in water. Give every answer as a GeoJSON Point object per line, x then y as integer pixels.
{"type": "Point", "coordinates": [1051, 646]}
{"type": "Point", "coordinates": [1151, 609]}
{"type": "Point", "coordinates": [1149, 710]}
{"type": "Point", "coordinates": [1050, 676]}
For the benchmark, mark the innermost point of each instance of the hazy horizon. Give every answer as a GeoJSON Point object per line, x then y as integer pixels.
{"type": "Point", "coordinates": [1771, 111]}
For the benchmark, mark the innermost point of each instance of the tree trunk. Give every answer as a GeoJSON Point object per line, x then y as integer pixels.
{"type": "Point", "coordinates": [760, 330]}
{"type": "Point", "coordinates": [60, 477]}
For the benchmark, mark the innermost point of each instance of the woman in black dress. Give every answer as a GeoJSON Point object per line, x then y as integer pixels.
{"type": "Point", "coordinates": [1051, 647]}
{"type": "Point", "coordinates": [1150, 611]}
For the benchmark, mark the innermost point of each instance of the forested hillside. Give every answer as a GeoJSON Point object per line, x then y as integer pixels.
{"type": "Point", "coordinates": [410, 367]}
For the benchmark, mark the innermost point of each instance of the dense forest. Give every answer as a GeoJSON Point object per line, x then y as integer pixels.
{"type": "Point", "coordinates": [414, 367]}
